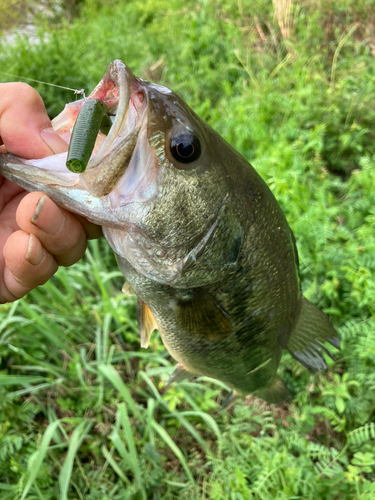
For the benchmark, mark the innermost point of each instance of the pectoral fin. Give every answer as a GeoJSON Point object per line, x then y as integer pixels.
{"type": "Point", "coordinates": [305, 343]}
{"type": "Point", "coordinates": [202, 316]}
{"type": "Point", "coordinates": [146, 323]}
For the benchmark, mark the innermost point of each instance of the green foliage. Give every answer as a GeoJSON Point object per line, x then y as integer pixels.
{"type": "Point", "coordinates": [83, 410]}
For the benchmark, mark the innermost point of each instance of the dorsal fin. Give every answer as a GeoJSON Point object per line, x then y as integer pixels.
{"type": "Point", "coordinates": [146, 323]}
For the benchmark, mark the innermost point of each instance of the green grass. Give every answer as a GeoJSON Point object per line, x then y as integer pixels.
{"type": "Point", "coordinates": [84, 413]}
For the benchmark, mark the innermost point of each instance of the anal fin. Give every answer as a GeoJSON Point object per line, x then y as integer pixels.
{"type": "Point", "coordinates": [230, 399]}
{"type": "Point", "coordinates": [275, 392]}
{"type": "Point", "coordinates": [305, 343]}
{"type": "Point", "coordinates": [146, 323]}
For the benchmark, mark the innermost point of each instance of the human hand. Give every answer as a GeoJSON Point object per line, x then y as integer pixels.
{"type": "Point", "coordinates": [36, 236]}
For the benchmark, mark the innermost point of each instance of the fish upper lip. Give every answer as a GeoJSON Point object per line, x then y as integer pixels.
{"type": "Point", "coordinates": [120, 76]}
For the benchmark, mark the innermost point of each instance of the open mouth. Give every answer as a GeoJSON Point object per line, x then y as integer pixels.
{"type": "Point", "coordinates": [121, 92]}
{"type": "Point", "coordinates": [116, 174]}
{"type": "Point", "coordinates": [126, 102]}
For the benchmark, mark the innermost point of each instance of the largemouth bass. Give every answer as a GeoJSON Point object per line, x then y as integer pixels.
{"type": "Point", "coordinates": [197, 233]}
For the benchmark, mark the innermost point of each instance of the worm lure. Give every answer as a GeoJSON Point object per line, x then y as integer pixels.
{"type": "Point", "coordinates": [92, 118]}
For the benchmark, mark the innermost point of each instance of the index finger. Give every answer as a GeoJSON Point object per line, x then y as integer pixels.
{"type": "Point", "coordinates": [25, 128]}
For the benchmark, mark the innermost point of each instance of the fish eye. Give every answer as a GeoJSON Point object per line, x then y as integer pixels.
{"type": "Point", "coordinates": [185, 148]}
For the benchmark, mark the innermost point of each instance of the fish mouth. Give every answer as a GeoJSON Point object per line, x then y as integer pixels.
{"type": "Point", "coordinates": [125, 98]}
{"type": "Point", "coordinates": [114, 91]}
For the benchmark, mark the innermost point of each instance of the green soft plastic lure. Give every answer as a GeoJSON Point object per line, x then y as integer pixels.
{"type": "Point", "coordinates": [92, 118]}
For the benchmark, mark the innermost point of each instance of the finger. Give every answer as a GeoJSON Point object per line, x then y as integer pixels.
{"type": "Point", "coordinates": [27, 265]}
{"type": "Point", "coordinates": [25, 128]}
{"type": "Point", "coordinates": [59, 232]}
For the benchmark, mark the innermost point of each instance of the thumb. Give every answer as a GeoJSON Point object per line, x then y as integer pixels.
{"type": "Point", "coordinates": [25, 128]}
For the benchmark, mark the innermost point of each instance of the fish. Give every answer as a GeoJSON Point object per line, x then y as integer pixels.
{"type": "Point", "coordinates": [198, 235]}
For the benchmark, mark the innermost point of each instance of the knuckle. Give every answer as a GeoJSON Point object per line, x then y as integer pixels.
{"type": "Point", "coordinates": [31, 277]}
{"type": "Point", "coordinates": [26, 93]}
{"type": "Point", "coordinates": [70, 239]}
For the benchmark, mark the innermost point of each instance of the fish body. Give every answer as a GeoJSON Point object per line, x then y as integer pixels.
{"type": "Point", "coordinates": [197, 233]}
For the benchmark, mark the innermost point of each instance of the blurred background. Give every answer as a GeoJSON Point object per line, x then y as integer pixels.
{"type": "Point", "coordinates": [83, 410]}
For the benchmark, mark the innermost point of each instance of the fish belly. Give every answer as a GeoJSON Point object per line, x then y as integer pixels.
{"type": "Point", "coordinates": [202, 338]}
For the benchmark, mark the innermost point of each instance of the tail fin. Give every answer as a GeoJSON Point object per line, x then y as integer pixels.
{"type": "Point", "coordinates": [305, 343]}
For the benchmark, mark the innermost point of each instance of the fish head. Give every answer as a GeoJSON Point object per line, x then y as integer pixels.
{"type": "Point", "coordinates": [159, 183]}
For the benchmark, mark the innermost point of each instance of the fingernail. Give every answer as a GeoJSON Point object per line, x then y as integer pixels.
{"type": "Point", "coordinates": [53, 140]}
{"type": "Point", "coordinates": [34, 252]}
{"type": "Point", "coordinates": [48, 217]}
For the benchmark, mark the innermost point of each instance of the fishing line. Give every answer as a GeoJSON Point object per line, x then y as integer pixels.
{"type": "Point", "coordinates": [76, 91]}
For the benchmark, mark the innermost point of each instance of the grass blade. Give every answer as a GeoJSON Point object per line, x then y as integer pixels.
{"type": "Point", "coordinates": [115, 467]}
{"type": "Point", "coordinates": [168, 441]}
{"type": "Point", "coordinates": [6, 380]}
{"type": "Point", "coordinates": [175, 414]}
{"type": "Point", "coordinates": [113, 376]}
{"type": "Point", "coordinates": [207, 418]}
{"type": "Point", "coordinates": [124, 421]}
{"type": "Point", "coordinates": [36, 459]}
{"type": "Point", "coordinates": [79, 434]}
